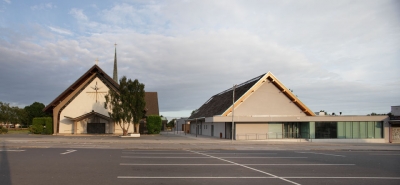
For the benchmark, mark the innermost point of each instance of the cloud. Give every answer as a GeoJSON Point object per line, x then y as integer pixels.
{"type": "Point", "coordinates": [337, 56]}
{"type": "Point", "coordinates": [43, 6]}
{"type": "Point", "coordinates": [7, 1]}
{"type": "Point", "coordinates": [78, 14]}
{"type": "Point", "coordinates": [60, 31]}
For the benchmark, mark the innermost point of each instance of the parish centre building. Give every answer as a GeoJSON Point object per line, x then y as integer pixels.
{"type": "Point", "coordinates": [264, 108]}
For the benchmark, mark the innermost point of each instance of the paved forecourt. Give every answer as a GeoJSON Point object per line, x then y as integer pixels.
{"type": "Point", "coordinates": [258, 167]}
{"type": "Point", "coordinates": [127, 166]}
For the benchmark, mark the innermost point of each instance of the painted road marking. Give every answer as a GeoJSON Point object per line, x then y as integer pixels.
{"type": "Point", "coordinates": [275, 177]}
{"type": "Point", "coordinates": [135, 164]}
{"type": "Point", "coordinates": [384, 154]}
{"type": "Point", "coordinates": [68, 151]}
{"type": "Point", "coordinates": [209, 157]}
{"type": "Point", "coordinates": [321, 154]}
{"type": "Point", "coordinates": [246, 167]}
{"type": "Point", "coordinates": [194, 153]}
{"type": "Point", "coordinates": [135, 153]}
{"type": "Point", "coordinates": [12, 150]}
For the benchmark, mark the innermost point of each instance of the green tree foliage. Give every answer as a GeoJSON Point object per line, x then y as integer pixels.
{"type": "Point", "coordinates": [127, 105]}
{"type": "Point", "coordinates": [43, 125]}
{"type": "Point", "coordinates": [35, 110]}
{"type": "Point", "coordinates": [3, 130]}
{"type": "Point", "coordinates": [11, 115]}
{"type": "Point", "coordinates": [171, 123]}
{"type": "Point", "coordinates": [154, 124]}
{"type": "Point", "coordinates": [375, 114]}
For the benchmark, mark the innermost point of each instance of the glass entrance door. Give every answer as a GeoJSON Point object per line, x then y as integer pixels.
{"type": "Point", "coordinates": [291, 130]}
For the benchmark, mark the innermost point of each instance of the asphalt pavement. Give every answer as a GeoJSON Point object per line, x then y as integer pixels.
{"type": "Point", "coordinates": [174, 141]}
{"type": "Point", "coordinates": [63, 166]}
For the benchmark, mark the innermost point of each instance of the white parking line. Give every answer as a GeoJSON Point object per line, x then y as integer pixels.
{"type": "Point", "coordinates": [134, 153]}
{"type": "Point", "coordinates": [242, 153]}
{"type": "Point", "coordinates": [274, 177]}
{"type": "Point", "coordinates": [246, 167]}
{"type": "Point", "coordinates": [137, 177]}
{"type": "Point", "coordinates": [135, 164]}
{"type": "Point", "coordinates": [342, 177]}
{"type": "Point", "coordinates": [12, 150]}
{"type": "Point", "coordinates": [196, 154]}
{"type": "Point", "coordinates": [321, 154]}
{"type": "Point", "coordinates": [68, 151]}
{"type": "Point", "coordinates": [138, 157]}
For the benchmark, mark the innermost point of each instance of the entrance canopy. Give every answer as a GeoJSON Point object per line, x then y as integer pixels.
{"type": "Point", "coordinates": [87, 115]}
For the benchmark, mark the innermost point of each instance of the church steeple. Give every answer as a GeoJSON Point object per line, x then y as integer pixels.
{"type": "Point", "coordinates": [115, 73]}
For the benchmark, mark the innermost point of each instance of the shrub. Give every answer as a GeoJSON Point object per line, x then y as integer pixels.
{"type": "Point", "coordinates": [154, 124]}
{"type": "Point", "coordinates": [38, 124]}
{"type": "Point", "coordinates": [3, 130]}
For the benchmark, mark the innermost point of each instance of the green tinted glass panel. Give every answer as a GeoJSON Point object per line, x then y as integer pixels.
{"type": "Point", "coordinates": [371, 129]}
{"type": "Point", "coordinates": [341, 130]}
{"type": "Point", "coordinates": [356, 130]}
{"type": "Point", "coordinates": [275, 130]}
{"type": "Point", "coordinates": [378, 130]}
{"type": "Point", "coordinates": [305, 130]}
{"type": "Point", "coordinates": [363, 130]}
{"type": "Point", "coordinates": [349, 130]}
{"type": "Point", "coordinates": [312, 130]}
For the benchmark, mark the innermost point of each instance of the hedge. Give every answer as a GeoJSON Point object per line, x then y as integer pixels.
{"type": "Point", "coordinates": [154, 124]}
{"type": "Point", "coordinates": [3, 130]}
{"type": "Point", "coordinates": [38, 124]}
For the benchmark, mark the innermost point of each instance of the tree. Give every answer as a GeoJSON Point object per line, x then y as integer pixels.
{"type": "Point", "coordinates": [35, 110]}
{"type": "Point", "coordinates": [171, 123]}
{"type": "Point", "coordinates": [5, 113]}
{"type": "Point", "coordinates": [154, 124]}
{"type": "Point", "coordinates": [127, 105]}
{"type": "Point", "coordinates": [11, 115]}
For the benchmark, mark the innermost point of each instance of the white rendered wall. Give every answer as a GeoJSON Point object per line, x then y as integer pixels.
{"type": "Point", "coordinates": [206, 129]}
{"type": "Point", "coordinates": [251, 131]}
{"type": "Point", "coordinates": [84, 103]}
{"type": "Point", "coordinates": [219, 128]}
{"type": "Point", "coordinates": [180, 122]}
{"type": "Point", "coordinates": [267, 100]}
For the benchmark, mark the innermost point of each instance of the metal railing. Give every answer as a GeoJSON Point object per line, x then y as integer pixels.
{"type": "Point", "coordinates": [273, 135]}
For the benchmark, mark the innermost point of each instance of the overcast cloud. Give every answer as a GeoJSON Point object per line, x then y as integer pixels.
{"type": "Point", "coordinates": [337, 56]}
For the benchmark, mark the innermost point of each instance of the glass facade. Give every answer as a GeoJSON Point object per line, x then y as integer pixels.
{"type": "Point", "coordinates": [359, 130]}
{"type": "Point", "coordinates": [325, 130]}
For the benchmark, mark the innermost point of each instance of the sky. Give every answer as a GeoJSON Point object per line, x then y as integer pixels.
{"type": "Point", "coordinates": [337, 56]}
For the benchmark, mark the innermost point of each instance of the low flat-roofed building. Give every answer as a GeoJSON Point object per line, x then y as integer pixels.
{"type": "Point", "coordinates": [264, 108]}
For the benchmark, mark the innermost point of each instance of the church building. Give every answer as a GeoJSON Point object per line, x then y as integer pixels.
{"type": "Point", "coordinates": [80, 108]}
{"type": "Point", "coordinates": [263, 108]}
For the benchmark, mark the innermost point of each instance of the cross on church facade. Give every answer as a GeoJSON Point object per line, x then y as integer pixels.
{"type": "Point", "coordinates": [96, 92]}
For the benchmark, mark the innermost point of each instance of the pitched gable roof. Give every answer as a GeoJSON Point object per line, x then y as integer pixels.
{"type": "Point", "coordinates": [221, 103]}
{"type": "Point", "coordinates": [95, 69]}
{"type": "Point", "coordinates": [151, 103]}
{"type": "Point", "coordinates": [150, 97]}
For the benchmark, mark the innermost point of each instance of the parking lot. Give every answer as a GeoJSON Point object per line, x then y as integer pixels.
{"type": "Point", "coordinates": [259, 167]}
{"type": "Point", "coordinates": [116, 166]}
{"type": "Point", "coordinates": [180, 159]}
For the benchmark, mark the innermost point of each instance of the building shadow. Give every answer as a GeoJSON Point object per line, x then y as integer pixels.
{"type": "Point", "coordinates": [5, 174]}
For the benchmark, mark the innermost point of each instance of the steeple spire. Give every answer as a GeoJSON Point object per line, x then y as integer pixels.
{"type": "Point", "coordinates": [115, 73]}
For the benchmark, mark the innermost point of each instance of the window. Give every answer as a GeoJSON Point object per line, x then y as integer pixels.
{"type": "Point", "coordinates": [325, 130]}
{"type": "Point", "coordinates": [359, 130]}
